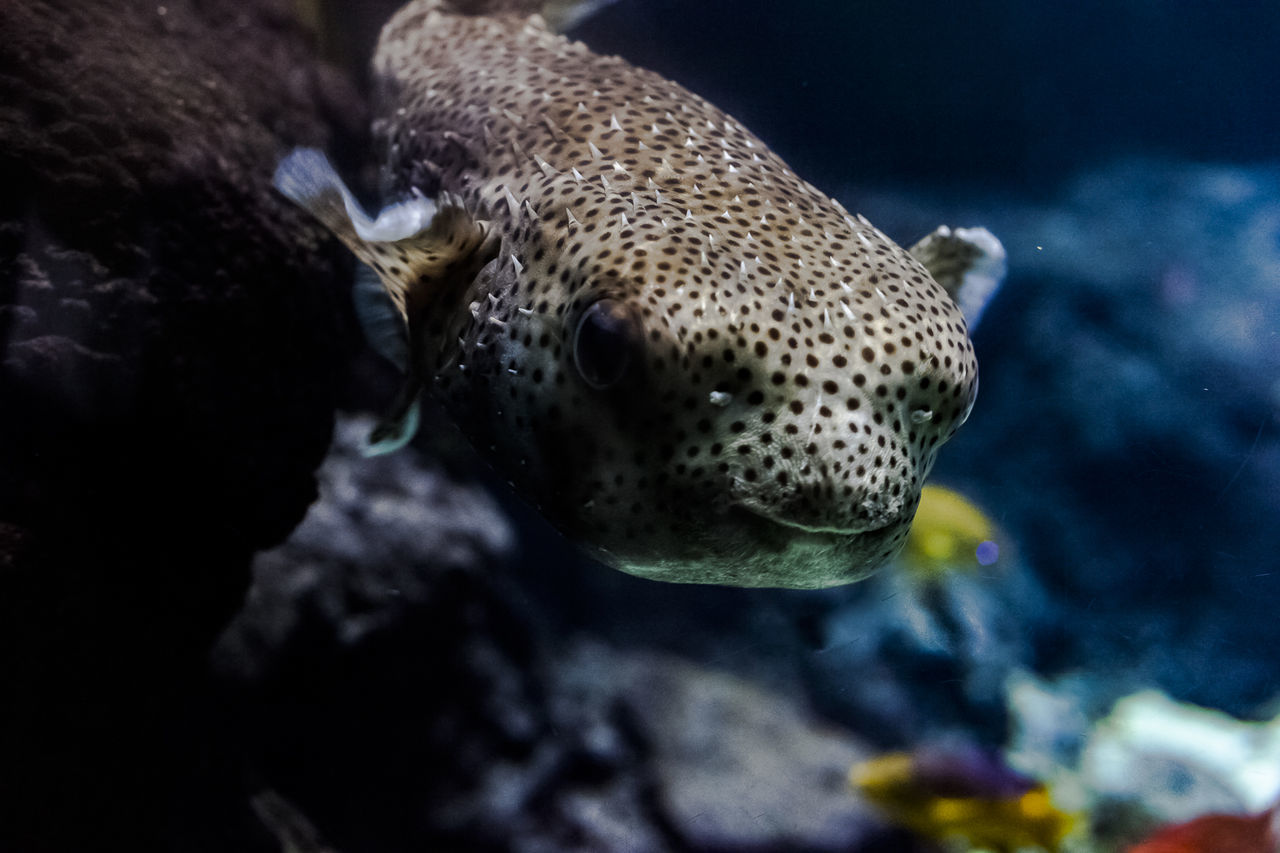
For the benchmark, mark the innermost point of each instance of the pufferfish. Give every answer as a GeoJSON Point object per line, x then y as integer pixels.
{"type": "Point", "coordinates": [690, 360]}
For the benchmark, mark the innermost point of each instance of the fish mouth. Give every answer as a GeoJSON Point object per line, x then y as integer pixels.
{"type": "Point", "coordinates": [751, 516]}
{"type": "Point", "coordinates": [754, 548]}
{"type": "Point", "coordinates": [762, 534]}
{"type": "Point", "coordinates": [745, 547]}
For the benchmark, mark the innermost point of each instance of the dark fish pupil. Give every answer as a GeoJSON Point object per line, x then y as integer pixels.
{"type": "Point", "coordinates": [604, 342]}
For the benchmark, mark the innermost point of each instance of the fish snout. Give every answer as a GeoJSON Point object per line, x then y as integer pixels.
{"type": "Point", "coordinates": [821, 493]}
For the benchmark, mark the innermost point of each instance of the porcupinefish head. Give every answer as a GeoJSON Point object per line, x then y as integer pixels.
{"type": "Point", "coordinates": [690, 360]}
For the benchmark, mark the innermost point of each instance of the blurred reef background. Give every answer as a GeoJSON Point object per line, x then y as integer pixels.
{"type": "Point", "coordinates": [220, 631]}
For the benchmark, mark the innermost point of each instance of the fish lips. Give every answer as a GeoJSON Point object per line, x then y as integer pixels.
{"type": "Point", "coordinates": [740, 547]}
{"type": "Point", "coordinates": [816, 556]}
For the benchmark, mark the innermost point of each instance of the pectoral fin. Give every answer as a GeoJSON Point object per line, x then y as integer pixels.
{"type": "Point", "coordinates": [426, 254]}
{"type": "Point", "coordinates": [969, 263]}
{"type": "Point", "coordinates": [399, 425]}
{"type": "Point", "coordinates": [380, 321]}
{"type": "Point", "coordinates": [307, 178]}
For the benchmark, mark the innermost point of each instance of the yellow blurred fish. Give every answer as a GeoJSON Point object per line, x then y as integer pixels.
{"type": "Point", "coordinates": [949, 534]}
{"type": "Point", "coordinates": [963, 794]}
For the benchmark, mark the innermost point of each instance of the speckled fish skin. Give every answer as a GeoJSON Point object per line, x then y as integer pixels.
{"type": "Point", "coordinates": [790, 372]}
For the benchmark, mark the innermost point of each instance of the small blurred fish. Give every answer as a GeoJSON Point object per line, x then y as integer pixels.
{"type": "Point", "coordinates": [1218, 833]}
{"type": "Point", "coordinates": [963, 793]}
{"type": "Point", "coordinates": [949, 533]}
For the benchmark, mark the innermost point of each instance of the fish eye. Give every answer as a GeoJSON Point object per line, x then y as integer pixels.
{"type": "Point", "coordinates": [605, 342]}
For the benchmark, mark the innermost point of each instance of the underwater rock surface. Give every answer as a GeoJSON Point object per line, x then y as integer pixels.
{"type": "Point", "coordinates": [156, 304]}
{"type": "Point", "coordinates": [390, 680]}
{"type": "Point", "coordinates": [1129, 419]}
{"type": "Point", "coordinates": [170, 362]}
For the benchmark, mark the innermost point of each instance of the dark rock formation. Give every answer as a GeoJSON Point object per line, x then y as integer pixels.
{"type": "Point", "coordinates": [159, 310]}
{"type": "Point", "coordinates": [170, 354]}
{"type": "Point", "coordinates": [389, 680]}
